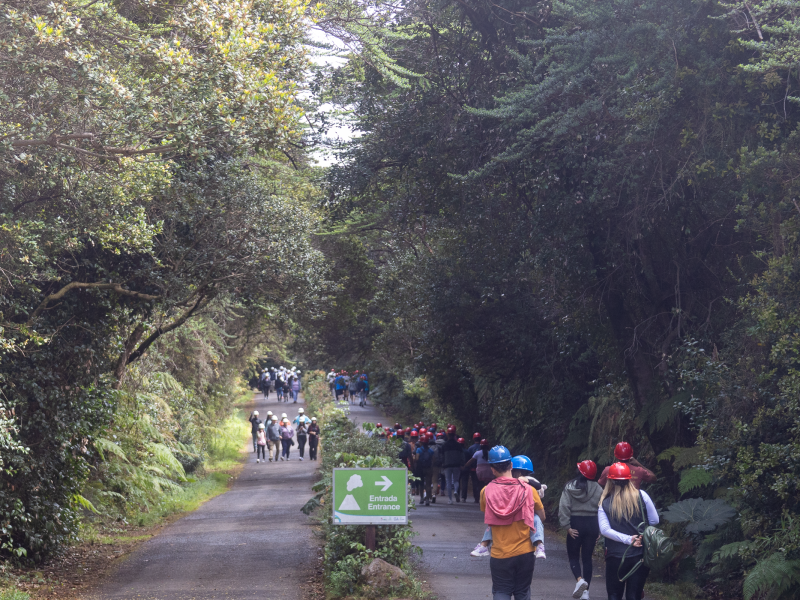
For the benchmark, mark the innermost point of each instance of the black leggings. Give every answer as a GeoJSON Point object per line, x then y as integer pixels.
{"type": "Point", "coordinates": [579, 549]}
{"type": "Point", "coordinates": [631, 588]}
{"type": "Point", "coordinates": [261, 452]}
{"type": "Point", "coordinates": [301, 443]}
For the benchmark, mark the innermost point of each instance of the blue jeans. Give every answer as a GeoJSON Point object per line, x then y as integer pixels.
{"type": "Point", "coordinates": [537, 536]}
{"type": "Point", "coordinates": [451, 477]}
{"type": "Point", "coordinates": [287, 446]}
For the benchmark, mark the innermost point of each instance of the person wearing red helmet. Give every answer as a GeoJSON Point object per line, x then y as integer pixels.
{"type": "Point", "coordinates": [639, 474]}
{"type": "Point", "coordinates": [620, 517]}
{"type": "Point", "coordinates": [577, 512]}
{"type": "Point", "coordinates": [470, 474]}
{"type": "Point", "coordinates": [423, 463]}
{"type": "Point", "coordinates": [397, 426]}
{"type": "Point", "coordinates": [452, 460]}
{"type": "Point", "coordinates": [483, 471]}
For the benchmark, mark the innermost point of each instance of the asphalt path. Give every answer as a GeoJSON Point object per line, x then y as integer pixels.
{"type": "Point", "coordinates": [448, 533]}
{"type": "Point", "coordinates": [250, 542]}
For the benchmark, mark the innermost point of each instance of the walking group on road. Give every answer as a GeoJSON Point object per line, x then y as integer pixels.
{"type": "Point", "coordinates": [274, 438]}
{"type": "Point", "coordinates": [347, 388]}
{"type": "Point", "coordinates": [613, 507]}
{"type": "Point", "coordinates": [285, 382]}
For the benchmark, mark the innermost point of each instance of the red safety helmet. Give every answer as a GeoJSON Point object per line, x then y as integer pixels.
{"type": "Point", "coordinates": [387, 429]}
{"type": "Point", "coordinates": [422, 431]}
{"type": "Point", "coordinates": [449, 424]}
{"type": "Point", "coordinates": [476, 436]}
{"type": "Point", "coordinates": [421, 424]}
{"type": "Point", "coordinates": [434, 425]}
{"type": "Point", "coordinates": [461, 441]}
{"type": "Point", "coordinates": [588, 469]}
{"type": "Point", "coordinates": [619, 471]}
{"type": "Point", "coordinates": [414, 433]}
{"type": "Point", "coordinates": [484, 442]}
{"type": "Point", "coordinates": [623, 451]}
{"type": "Point", "coordinates": [379, 425]}
{"type": "Point", "coordinates": [451, 429]}
{"type": "Point", "coordinates": [439, 435]}
{"type": "Point", "coordinates": [407, 430]}
{"type": "Point", "coordinates": [398, 426]}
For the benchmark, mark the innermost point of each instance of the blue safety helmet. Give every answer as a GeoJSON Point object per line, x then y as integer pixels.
{"type": "Point", "coordinates": [499, 454]}
{"type": "Point", "coordinates": [523, 463]}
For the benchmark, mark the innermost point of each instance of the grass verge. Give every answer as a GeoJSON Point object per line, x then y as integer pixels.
{"type": "Point", "coordinates": [343, 552]}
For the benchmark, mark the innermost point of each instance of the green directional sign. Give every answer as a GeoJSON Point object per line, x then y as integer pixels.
{"type": "Point", "coordinates": [370, 496]}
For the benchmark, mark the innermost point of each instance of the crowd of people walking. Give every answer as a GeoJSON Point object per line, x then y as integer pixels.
{"type": "Point", "coordinates": [611, 507]}
{"type": "Point", "coordinates": [285, 382]}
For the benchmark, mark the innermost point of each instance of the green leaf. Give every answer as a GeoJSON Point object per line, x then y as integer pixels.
{"type": "Point", "coordinates": [702, 515]}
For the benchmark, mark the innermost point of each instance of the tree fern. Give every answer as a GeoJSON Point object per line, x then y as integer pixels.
{"type": "Point", "coordinates": [691, 479]}
{"type": "Point", "coordinates": [774, 577]}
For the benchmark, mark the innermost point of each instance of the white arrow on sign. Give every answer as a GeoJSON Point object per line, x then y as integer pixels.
{"type": "Point", "coordinates": [386, 483]}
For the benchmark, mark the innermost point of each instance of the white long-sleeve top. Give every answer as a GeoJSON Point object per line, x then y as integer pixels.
{"type": "Point", "coordinates": [605, 528]}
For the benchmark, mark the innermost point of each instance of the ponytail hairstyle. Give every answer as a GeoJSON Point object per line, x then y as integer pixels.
{"type": "Point", "coordinates": [580, 482]}
{"type": "Point", "coordinates": [624, 499]}
{"type": "Point", "coordinates": [485, 450]}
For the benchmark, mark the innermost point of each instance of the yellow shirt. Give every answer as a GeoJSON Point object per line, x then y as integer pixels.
{"type": "Point", "coordinates": [515, 539]}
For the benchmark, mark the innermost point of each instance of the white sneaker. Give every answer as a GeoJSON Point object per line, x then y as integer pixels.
{"type": "Point", "coordinates": [449, 501]}
{"type": "Point", "coordinates": [585, 595]}
{"type": "Point", "coordinates": [580, 588]}
{"type": "Point", "coordinates": [301, 458]}
{"type": "Point", "coordinates": [480, 550]}
{"type": "Point", "coordinates": [540, 552]}
{"type": "Point", "coordinates": [258, 460]}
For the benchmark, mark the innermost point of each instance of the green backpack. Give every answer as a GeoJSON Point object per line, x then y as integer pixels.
{"type": "Point", "coordinates": [659, 549]}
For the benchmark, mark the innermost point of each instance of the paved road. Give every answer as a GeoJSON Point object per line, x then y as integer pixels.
{"type": "Point", "coordinates": [251, 542]}
{"type": "Point", "coordinates": [448, 533]}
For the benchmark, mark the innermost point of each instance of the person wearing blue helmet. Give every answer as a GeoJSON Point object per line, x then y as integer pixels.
{"type": "Point", "coordinates": [509, 508]}
{"type": "Point", "coordinates": [522, 469]}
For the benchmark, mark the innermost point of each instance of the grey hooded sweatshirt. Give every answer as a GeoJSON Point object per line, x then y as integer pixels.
{"type": "Point", "coordinates": [579, 503]}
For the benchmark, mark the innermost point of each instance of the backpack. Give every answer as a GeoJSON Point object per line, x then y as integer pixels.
{"type": "Point", "coordinates": [659, 549]}
{"type": "Point", "coordinates": [438, 456]}
{"type": "Point", "coordinates": [425, 458]}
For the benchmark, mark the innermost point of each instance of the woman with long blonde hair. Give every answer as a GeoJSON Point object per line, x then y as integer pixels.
{"type": "Point", "coordinates": [621, 523]}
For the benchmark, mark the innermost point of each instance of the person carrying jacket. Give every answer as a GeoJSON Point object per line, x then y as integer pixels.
{"type": "Point", "coordinates": [577, 512]}
{"type": "Point", "coordinates": [452, 460]}
{"type": "Point", "coordinates": [619, 517]}
{"type": "Point", "coordinates": [509, 508]}
{"type": "Point", "coordinates": [623, 452]}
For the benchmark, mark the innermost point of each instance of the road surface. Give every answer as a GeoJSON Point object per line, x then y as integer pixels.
{"type": "Point", "coordinates": [251, 542]}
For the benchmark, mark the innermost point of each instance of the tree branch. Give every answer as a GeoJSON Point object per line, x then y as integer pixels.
{"type": "Point", "coordinates": [202, 301]}
{"type": "Point", "coordinates": [79, 285]}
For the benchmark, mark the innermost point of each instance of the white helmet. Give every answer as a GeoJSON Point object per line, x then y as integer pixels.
{"type": "Point", "coordinates": [298, 371]}
{"type": "Point", "coordinates": [282, 368]}
{"type": "Point", "coordinates": [261, 426]}
{"type": "Point", "coordinates": [274, 418]}
{"type": "Point", "coordinates": [269, 413]}
{"type": "Point", "coordinates": [255, 413]}
{"type": "Point", "coordinates": [313, 418]}
{"type": "Point", "coordinates": [300, 411]}
{"type": "Point", "coordinates": [284, 415]}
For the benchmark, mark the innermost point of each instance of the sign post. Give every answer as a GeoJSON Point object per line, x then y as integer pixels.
{"type": "Point", "coordinates": [370, 497]}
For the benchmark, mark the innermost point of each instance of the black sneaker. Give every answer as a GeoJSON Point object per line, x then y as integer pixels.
{"type": "Point", "coordinates": [433, 499]}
